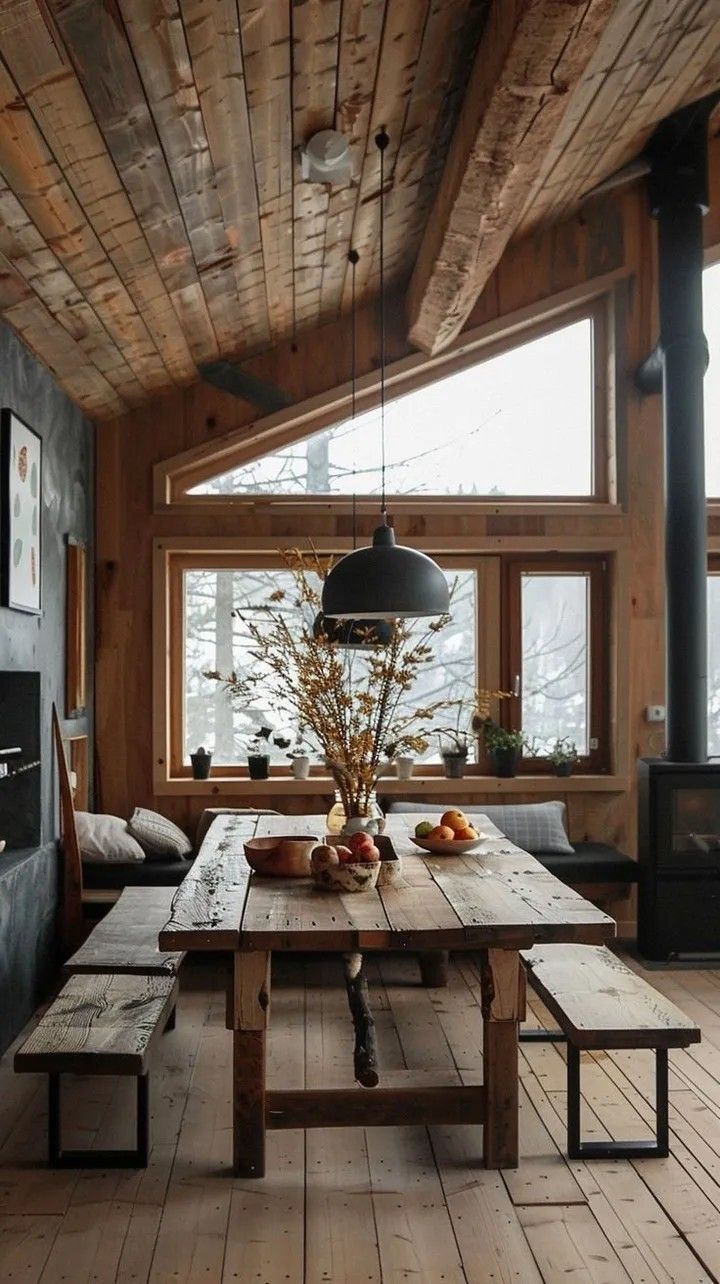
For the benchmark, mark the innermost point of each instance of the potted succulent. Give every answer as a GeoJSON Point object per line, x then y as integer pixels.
{"type": "Point", "coordinates": [201, 762]}
{"type": "Point", "coordinates": [259, 758]}
{"type": "Point", "coordinates": [454, 752]}
{"type": "Point", "coordinates": [563, 756]}
{"type": "Point", "coordinates": [504, 747]}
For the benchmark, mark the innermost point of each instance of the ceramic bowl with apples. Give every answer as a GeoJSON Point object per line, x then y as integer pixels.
{"type": "Point", "coordinates": [453, 836]}
{"type": "Point", "coordinates": [347, 867]}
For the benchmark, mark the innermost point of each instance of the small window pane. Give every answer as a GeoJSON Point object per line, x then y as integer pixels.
{"type": "Point", "coordinates": [519, 423]}
{"type": "Point", "coordinates": [714, 665]}
{"type": "Point", "coordinates": [215, 640]}
{"type": "Point", "coordinates": [555, 659]}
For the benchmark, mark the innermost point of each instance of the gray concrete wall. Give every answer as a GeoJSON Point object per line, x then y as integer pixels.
{"type": "Point", "coordinates": [28, 880]}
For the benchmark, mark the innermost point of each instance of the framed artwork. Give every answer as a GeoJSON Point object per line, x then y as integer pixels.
{"type": "Point", "coordinates": [76, 629]}
{"type": "Point", "coordinates": [21, 482]}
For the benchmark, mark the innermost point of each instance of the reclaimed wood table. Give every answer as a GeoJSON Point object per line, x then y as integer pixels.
{"type": "Point", "coordinates": [497, 900]}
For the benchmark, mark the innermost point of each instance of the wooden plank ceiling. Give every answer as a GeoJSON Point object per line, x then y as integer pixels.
{"type": "Point", "coordinates": [152, 212]}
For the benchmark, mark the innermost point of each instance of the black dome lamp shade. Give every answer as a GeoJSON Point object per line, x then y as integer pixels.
{"type": "Point", "coordinates": [387, 580]}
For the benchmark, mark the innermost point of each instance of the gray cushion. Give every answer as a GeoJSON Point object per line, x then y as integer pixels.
{"type": "Point", "coordinates": [535, 827]}
{"type": "Point", "coordinates": [159, 837]}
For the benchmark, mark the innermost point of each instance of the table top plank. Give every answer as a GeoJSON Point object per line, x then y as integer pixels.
{"type": "Point", "coordinates": [208, 905]}
{"type": "Point", "coordinates": [495, 896]}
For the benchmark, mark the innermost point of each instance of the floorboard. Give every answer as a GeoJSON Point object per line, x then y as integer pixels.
{"type": "Point", "coordinates": [376, 1205]}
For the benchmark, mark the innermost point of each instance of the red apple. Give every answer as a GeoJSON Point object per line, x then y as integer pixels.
{"type": "Point", "coordinates": [359, 840]}
{"type": "Point", "coordinates": [345, 855]}
{"type": "Point", "coordinates": [370, 854]}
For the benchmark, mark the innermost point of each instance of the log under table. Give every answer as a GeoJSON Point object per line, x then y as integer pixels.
{"type": "Point", "coordinates": [497, 900]}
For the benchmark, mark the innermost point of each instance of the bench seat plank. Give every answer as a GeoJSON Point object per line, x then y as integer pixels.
{"type": "Point", "coordinates": [100, 1024]}
{"type": "Point", "coordinates": [126, 939]}
{"type": "Point", "coordinates": [600, 1003]}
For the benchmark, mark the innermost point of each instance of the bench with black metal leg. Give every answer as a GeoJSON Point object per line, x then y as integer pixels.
{"type": "Point", "coordinates": [99, 1024]}
{"type": "Point", "coordinates": [599, 1004]}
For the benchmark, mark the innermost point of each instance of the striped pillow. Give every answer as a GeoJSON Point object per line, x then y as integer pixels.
{"type": "Point", "coordinates": [159, 837]}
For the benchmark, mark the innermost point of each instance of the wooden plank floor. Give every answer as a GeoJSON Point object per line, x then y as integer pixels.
{"type": "Point", "coordinates": [347, 1206]}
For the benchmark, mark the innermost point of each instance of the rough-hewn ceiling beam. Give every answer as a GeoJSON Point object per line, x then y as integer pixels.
{"type": "Point", "coordinates": [532, 55]}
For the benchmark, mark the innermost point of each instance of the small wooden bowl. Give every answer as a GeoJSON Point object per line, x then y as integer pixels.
{"type": "Point", "coordinates": [279, 857]}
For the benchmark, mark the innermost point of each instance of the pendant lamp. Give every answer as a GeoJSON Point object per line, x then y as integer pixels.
{"type": "Point", "coordinates": [387, 580]}
{"type": "Point", "coordinates": [355, 634]}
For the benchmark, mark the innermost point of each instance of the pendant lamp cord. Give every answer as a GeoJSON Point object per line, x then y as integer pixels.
{"type": "Point", "coordinates": [381, 142]}
{"type": "Point", "coordinates": [353, 258]}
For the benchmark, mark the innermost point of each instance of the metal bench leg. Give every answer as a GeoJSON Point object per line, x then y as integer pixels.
{"type": "Point", "coordinates": [59, 1158]}
{"type": "Point", "coordinates": [577, 1149]}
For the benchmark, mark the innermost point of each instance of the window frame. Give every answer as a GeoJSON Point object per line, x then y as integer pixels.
{"type": "Point", "coordinates": [596, 567]}
{"type": "Point", "coordinates": [176, 477]}
{"type": "Point", "coordinates": [497, 623]}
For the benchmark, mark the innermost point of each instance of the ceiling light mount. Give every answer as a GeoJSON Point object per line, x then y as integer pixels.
{"type": "Point", "coordinates": [325, 158]}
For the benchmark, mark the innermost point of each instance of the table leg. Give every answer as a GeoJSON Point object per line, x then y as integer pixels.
{"type": "Point", "coordinates": [434, 967]}
{"type": "Point", "coordinates": [503, 1005]}
{"type": "Point", "coordinates": [247, 1017]}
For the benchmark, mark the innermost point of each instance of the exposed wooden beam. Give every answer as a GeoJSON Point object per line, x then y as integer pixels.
{"type": "Point", "coordinates": [531, 56]}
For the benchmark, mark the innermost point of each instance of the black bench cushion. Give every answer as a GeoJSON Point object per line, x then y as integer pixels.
{"type": "Point", "coordinates": [146, 873]}
{"type": "Point", "coordinates": [592, 863]}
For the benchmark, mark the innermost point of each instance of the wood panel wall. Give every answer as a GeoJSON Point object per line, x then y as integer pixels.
{"type": "Point", "coordinates": [614, 234]}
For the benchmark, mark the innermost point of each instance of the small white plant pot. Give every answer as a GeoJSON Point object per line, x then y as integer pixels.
{"type": "Point", "coordinates": [404, 767]}
{"type": "Point", "coordinates": [300, 768]}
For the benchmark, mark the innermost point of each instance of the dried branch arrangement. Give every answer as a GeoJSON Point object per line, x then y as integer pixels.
{"type": "Point", "coordinates": [352, 703]}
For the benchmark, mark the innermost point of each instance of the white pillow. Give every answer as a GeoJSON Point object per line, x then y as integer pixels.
{"type": "Point", "coordinates": [104, 840]}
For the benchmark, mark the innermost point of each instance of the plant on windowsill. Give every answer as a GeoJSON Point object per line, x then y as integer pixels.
{"type": "Point", "coordinates": [563, 757]}
{"type": "Point", "coordinates": [454, 752]}
{"type": "Point", "coordinates": [350, 703]}
{"type": "Point", "coordinates": [504, 748]}
{"type": "Point", "coordinates": [259, 760]}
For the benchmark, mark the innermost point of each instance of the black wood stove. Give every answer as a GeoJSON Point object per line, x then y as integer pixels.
{"type": "Point", "coordinates": [679, 795]}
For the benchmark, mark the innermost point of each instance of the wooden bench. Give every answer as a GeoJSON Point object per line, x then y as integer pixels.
{"type": "Point", "coordinates": [600, 1003]}
{"type": "Point", "coordinates": [99, 1024]}
{"type": "Point", "coordinates": [125, 941]}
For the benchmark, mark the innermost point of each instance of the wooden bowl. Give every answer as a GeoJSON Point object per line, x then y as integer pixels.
{"type": "Point", "coordinates": [279, 857]}
{"type": "Point", "coordinates": [448, 846]}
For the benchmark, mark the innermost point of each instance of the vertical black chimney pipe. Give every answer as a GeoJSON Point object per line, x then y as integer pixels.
{"type": "Point", "coordinates": [678, 190]}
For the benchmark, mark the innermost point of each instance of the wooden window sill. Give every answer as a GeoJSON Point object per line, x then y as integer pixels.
{"type": "Point", "coordinates": [417, 786]}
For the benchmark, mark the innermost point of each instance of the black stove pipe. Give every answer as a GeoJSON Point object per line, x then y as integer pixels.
{"type": "Point", "coordinates": [679, 199]}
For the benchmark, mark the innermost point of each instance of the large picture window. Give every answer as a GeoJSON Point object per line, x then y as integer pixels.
{"type": "Point", "coordinates": [524, 418]}
{"type": "Point", "coordinates": [552, 620]}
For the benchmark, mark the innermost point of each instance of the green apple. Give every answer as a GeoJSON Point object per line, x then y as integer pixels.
{"type": "Point", "coordinates": [423, 829]}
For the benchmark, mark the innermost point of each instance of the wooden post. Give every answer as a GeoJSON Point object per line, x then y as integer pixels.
{"type": "Point", "coordinates": [503, 1005]}
{"type": "Point", "coordinates": [434, 967]}
{"type": "Point", "coordinates": [247, 1017]}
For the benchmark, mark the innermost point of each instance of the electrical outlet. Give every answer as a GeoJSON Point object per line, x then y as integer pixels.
{"type": "Point", "coordinates": [655, 713]}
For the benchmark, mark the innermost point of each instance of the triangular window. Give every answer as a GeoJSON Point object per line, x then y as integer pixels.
{"type": "Point", "coordinates": [518, 423]}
